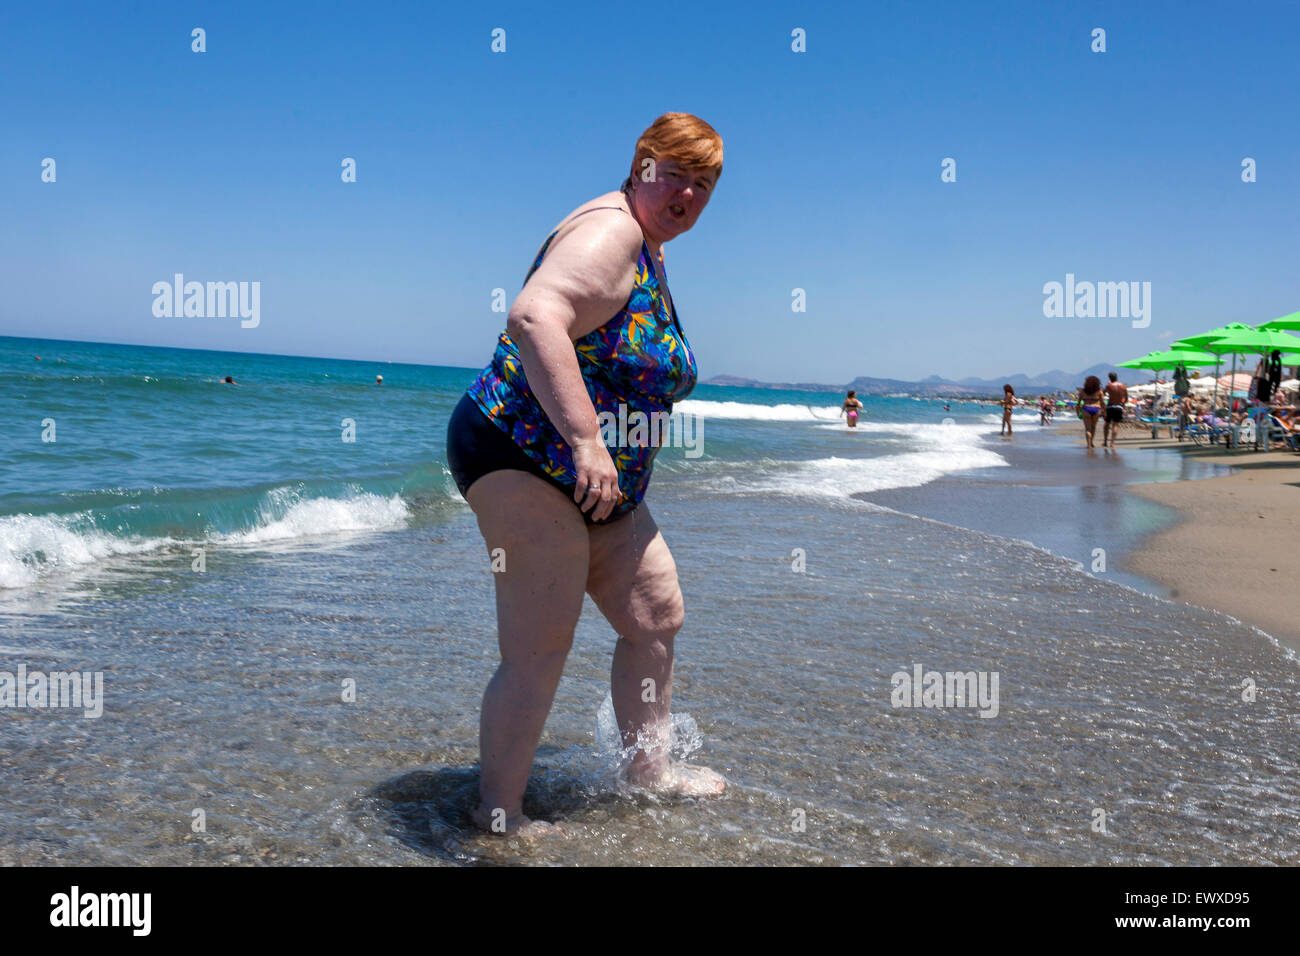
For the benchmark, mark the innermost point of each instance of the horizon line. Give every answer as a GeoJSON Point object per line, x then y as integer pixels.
{"type": "Point", "coordinates": [363, 361]}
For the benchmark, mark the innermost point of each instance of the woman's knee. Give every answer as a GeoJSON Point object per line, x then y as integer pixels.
{"type": "Point", "coordinates": [656, 623]}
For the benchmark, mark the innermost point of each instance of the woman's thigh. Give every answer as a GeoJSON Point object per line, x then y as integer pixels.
{"type": "Point", "coordinates": [537, 542]}
{"type": "Point", "coordinates": [633, 578]}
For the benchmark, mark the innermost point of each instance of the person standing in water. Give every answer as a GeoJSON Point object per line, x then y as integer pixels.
{"type": "Point", "coordinates": [851, 406]}
{"type": "Point", "coordinates": [593, 330]}
{"type": "Point", "coordinates": [1008, 403]}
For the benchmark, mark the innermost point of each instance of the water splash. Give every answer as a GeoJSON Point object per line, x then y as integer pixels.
{"type": "Point", "coordinates": [684, 737]}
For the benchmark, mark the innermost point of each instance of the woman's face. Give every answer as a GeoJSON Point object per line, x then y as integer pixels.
{"type": "Point", "coordinates": [670, 205]}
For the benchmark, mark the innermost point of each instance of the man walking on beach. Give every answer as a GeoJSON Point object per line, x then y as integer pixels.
{"type": "Point", "coordinates": [1116, 399]}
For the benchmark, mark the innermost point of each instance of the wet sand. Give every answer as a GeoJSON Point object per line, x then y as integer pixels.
{"type": "Point", "coordinates": [1235, 547]}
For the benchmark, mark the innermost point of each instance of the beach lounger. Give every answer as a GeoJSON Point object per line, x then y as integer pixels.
{"type": "Point", "coordinates": [1279, 430]}
{"type": "Point", "coordinates": [1156, 422]}
{"type": "Point", "coordinates": [1203, 433]}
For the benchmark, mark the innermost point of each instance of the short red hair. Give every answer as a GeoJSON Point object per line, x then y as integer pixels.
{"type": "Point", "coordinates": [681, 138]}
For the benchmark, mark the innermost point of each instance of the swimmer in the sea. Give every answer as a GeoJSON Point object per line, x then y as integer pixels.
{"type": "Point", "coordinates": [229, 381]}
{"type": "Point", "coordinates": [851, 406]}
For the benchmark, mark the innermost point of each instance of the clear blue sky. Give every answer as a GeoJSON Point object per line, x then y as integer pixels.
{"type": "Point", "coordinates": [225, 166]}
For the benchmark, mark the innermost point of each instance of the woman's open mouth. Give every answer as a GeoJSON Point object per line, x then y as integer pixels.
{"type": "Point", "coordinates": [677, 211]}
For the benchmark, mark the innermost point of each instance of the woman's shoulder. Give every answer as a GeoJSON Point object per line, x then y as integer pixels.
{"type": "Point", "coordinates": [609, 210]}
{"type": "Point", "coordinates": [606, 227]}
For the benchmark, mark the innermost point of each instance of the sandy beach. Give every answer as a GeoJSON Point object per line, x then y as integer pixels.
{"type": "Point", "coordinates": [1234, 547]}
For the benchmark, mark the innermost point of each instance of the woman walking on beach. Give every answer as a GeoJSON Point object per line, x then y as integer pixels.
{"type": "Point", "coordinates": [1089, 405]}
{"type": "Point", "coordinates": [1008, 403]}
{"type": "Point", "coordinates": [851, 406]}
{"type": "Point", "coordinates": [593, 330]}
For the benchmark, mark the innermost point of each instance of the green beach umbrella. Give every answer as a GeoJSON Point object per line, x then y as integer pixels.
{"type": "Point", "coordinates": [1172, 359]}
{"type": "Point", "coordinates": [1209, 342]}
{"type": "Point", "coordinates": [1250, 342]}
{"type": "Point", "coordinates": [1254, 342]}
{"type": "Point", "coordinates": [1291, 321]}
{"type": "Point", "coordinates": [1199, 341]}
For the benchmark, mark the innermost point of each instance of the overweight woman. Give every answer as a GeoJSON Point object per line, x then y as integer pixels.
{"type": "Point", "coordinates": [593, 329]}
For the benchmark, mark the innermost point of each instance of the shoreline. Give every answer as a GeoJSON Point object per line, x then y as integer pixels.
{"type": "Point", "coordinates": [1233, 546]}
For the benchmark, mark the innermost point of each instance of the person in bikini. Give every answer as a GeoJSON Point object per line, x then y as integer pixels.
{"type": "Point", "coordinates": [1089, 405]}
{"type": "Point", "coordinates": [1008, 403]}
{"type": "Point", "coordinates": [850, 407]}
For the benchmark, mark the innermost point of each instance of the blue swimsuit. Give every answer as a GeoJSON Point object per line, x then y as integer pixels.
{"type": "Point", "coordinates": [638, 361]}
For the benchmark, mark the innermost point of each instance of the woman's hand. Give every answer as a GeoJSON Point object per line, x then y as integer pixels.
{"type": "Point", "coordinates": [597, 487]}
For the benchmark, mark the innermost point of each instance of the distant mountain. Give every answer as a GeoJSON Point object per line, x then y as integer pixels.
{"type": "Point", "coordinates": [737, 382]}
{"type": "Point", "coordinates": [936, 386]}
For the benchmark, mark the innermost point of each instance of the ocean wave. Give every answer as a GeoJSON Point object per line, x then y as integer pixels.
{"type": "Point", "coordinates": [944, 432]}
{"type": "Point", "coordinates": [32, 546]}
{"type": "Point", "coordinates": [746, 412]}
{"type": "Point", "coordinates": [844, 477]}
{"type": "Point", "coordinates": [821, 414]}
{"type": "Point", "coordinates": [917, 453]}
{"type": "Point", "coordinates": [284, 518]}
{"type": "Point", "coordinates": [1025, 417]}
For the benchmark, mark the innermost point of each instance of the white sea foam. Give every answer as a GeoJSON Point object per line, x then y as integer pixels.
{"type": "Point", "coordinates": [34, 545]}
{"type": "Point", "coordinates": [842, 477]}
{"type": "Point", "coordinates": [1026, 417]}
{"type": "Point", "coordinates": [748, 412]}
{"type": "Point", "coordinates": [933, 450]}
{"type": "Point", "coordinates": [283, 518]}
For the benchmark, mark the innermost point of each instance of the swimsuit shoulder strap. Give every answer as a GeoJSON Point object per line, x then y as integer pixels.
{"type": "Point", "coordinates": [541, 253]}
{"type": "Point", "coordinates": [585, 211]}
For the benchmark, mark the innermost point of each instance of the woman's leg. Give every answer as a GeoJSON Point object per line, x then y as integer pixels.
{"type": "Point", "coordinates": [539, 600]}
{"type": "Point", "coordinates": [633, 580]}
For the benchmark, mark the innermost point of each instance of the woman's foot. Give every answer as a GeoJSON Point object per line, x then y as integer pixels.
{"type": "Point", "coordinates": [494, 820]}
{"type": "Point", "coordinates": [682, 780]}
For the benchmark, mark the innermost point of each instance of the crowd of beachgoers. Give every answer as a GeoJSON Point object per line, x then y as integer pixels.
{"type": "Point", "coordinates": [1214, 404]}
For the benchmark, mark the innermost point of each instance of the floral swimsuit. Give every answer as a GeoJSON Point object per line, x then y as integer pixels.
{"type": "Point", "coordinates": [638, 361]}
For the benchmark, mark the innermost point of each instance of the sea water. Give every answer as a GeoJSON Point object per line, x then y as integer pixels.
{"type": "Point", "coordinates": [294, 631]}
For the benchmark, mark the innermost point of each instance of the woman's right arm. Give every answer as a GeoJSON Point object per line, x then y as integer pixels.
{"type": "Point", "coordinates": [585, 279]}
